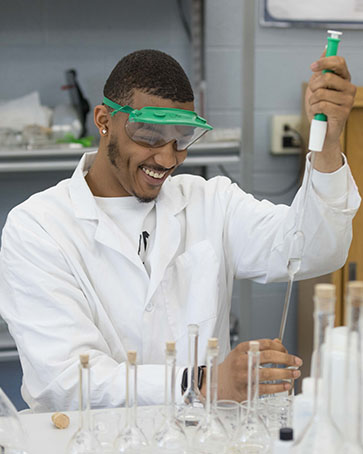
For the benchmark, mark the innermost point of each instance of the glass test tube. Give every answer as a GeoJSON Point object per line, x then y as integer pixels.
{"type": "Point", "coordinates": [321, 435]}
{"type": "Point", "coordinates": [353, 372]}
{"type": "Point", "coordinates": [253, 435]}
{"type": "Point", "coordinates": [211, 435]}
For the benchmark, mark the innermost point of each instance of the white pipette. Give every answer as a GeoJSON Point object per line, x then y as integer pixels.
{"type": "Point", "coordinates": [316, 141]}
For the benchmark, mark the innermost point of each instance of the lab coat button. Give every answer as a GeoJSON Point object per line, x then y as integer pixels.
{"type": "Point", "coordinates": [149, 307]}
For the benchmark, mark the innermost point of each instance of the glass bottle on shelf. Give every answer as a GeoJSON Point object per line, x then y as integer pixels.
{"type": "Point", "coordinates": [321, 435]}
{"type": "Point", "coordinates": [193, 409]}
{"type": "Point", "coordinates": [131, 439]}
{"type": "Point", "coordinates": [13, 439]}
{"type": "Point", "coordinates": [84, 441]}
{"type": "Point", "coordinates": [170, 437]}
{"type": "Point", "coordinates": [253, 435]}
{"type": "Point", "coordinates": [211, 435]}
{"type": "Point", "coordinates": [353, 390]}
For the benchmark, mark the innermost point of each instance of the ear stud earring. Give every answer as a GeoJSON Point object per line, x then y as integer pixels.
{"type": "Point", "coordinates": [104, 131]}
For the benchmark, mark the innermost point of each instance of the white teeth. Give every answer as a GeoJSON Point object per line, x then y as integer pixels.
{"type": "Point", "coordinates": [152, 173]}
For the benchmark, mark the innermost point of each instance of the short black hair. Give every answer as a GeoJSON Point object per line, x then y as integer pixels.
{"type": "Point", "coordinates": [150, 71]}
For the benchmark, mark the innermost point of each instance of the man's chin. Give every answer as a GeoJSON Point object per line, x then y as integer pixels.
{"type": "Point", "coordinates": [145, 199]}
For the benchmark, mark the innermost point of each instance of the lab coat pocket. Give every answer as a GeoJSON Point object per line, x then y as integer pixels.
{"type": "Point", "coordinates": [191, 288]}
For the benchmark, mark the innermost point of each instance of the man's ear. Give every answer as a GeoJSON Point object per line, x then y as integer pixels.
{"type": "Point", "coordinates": [101, 118]}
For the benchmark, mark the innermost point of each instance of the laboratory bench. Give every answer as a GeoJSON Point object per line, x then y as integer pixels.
{"type": "Point", "coordinates": [63, 158]}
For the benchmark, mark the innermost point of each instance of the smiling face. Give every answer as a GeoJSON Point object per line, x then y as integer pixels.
{"type": "Point", "coordinates": [123, 167]}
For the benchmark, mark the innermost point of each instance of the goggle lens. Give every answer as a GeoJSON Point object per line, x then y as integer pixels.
{"type": "Point", "coordinates": [157, 135]}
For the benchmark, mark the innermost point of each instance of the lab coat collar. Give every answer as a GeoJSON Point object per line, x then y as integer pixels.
{"type": "Point", "coordinates": [85, 206]}
{"type": "Point", "coordinates": [82, 198]}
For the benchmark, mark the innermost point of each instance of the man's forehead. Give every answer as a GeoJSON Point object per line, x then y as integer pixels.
{"type": "Point", "coordinates": [141, 99]}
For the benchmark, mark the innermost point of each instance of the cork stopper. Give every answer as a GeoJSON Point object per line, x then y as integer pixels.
{"type": "Point", "coordinates": [355, 293]}
{"type": "Point", "coordinates": [213, 342]}
{"type": "Point", "coordinates": [170, 347]}
{"type": "Point", "coordinates": [60, 420]}
{"type": "Point", "coordinates": [131, 357]}
{"type": "Point", "coordinates": [324, 290]}
{"type": "Point", "coordinates": [355, 289]}
{"type": "Point", "coordinates": [254, 346]}
{"type": "Point", "coordinates": [84, 359]}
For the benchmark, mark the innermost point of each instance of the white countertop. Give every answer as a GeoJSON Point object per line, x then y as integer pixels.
{"type": "Point", "coordinates": [45, 438]}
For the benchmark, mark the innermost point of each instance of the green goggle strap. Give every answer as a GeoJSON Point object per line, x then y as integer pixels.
{"type": "Point", "coordinates": [160, 115]}
{"type": "Point", "coordinates": [117, 107]}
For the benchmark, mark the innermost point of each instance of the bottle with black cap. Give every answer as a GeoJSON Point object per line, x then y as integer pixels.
{"type": "Point", "coordinates": [284, 444]}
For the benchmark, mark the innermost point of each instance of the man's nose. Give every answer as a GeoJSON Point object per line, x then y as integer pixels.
{"type": "Point", "coordinates": [165, 156]}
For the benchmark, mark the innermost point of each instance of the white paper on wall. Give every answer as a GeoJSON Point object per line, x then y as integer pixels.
{"type": "Point", "coordinates": [316, 10]}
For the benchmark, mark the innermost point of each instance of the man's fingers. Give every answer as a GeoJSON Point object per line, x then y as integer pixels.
{"type": "Point", "coordinates": [274, 388]}
{"type": "Point", "coordinates": [269, 344]}
{"type": "Point", "coordinates": [265, 344]}
{"type": "Point", "coordinates": [335, 97]}
{"type": "Point", "coordinates": [272, 373]}
{"type": "Point", "coordinates": [336, 64]}
{"type": "Point", "coordinates": [333, 82]}
{"type": "Point", "coordinates": [276, 357]}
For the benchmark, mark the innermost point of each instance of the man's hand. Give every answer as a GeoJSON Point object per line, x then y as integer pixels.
{"type": "Point", "coordinates": [333, 95]}
{"type": "Point", "coordinates": [233, 372]}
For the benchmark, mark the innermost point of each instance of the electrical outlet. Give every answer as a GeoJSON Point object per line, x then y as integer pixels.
{"type": "Point", "coordinates": [285, 140]}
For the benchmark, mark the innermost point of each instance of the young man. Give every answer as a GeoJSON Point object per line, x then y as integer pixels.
{"type": "Point", "coordinates": [123, 256]}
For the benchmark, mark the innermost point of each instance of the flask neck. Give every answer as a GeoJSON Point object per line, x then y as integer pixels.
{"type": "Point", "coordinates": [84, 398]}
{"type": "Point", "coordinates": [131, 394]}
{"type": "Point", "coordinates": [211, 381]}
{"type": "Point", "coordinates": [170, 385]}
{"type": "Point", "coordinates": [324, 322]}
{"type": "Point", "coordinates": [253, 381]}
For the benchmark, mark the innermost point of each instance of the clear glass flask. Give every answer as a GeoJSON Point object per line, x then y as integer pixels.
{"type": "Point", "coordinates": [131, 439]}
{"type": "Point", "coordinates": [353, 390]}
{"type": "Point", "coordinates": [321, 435]}
{"type": "Point", "coordinates": [253, 436]}
{"type": "Point", "coordinates": [13, 439]}
{"type": "Point", "coordinates": [170, 438]}
{"type": "Point", "coordinates": [211, 435]}
{"type": "Point", "coordinates": [84, 441]}
{"type": "Point", "coordinates": [193, 410]}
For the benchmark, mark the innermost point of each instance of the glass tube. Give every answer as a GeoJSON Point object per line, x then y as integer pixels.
{"type": "Point", "coordinates": [253, 435]}
{"type": "Point", "coordinates": [211, 436]}
{"type": "Point", "coordinates": [353, 370]}
{"type": "Point", "coordinates": [131, 439]}
{"type": "Point", "coordinates": [170, 437]}
{"type": "Point", "coordinates": [321, 435]}
{"type": "Point", "coordinates": [84, 441]}
{"type": "Point", "coordinates": [193, 399]}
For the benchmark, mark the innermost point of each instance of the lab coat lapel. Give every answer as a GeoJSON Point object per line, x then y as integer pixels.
{"type": "Point", "coordinates": [167, 237]}
{"type": "Point", "coordinates": [85, 207]}
{"type": "Point", "coordinates": [111, 236]}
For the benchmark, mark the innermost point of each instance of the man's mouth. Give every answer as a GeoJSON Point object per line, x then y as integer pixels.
{"type": "Point", "coordinates": [158, 175]}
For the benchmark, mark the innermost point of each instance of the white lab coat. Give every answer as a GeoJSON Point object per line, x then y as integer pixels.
{"type": "Point", "coordinates": [70, 282]}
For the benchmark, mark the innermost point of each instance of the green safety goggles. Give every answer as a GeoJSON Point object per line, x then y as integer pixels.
{"type": "Point", "coordinates": [154, 127]}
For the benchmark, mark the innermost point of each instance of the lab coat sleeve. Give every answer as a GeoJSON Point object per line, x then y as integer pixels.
{"type": "Point", "coordinates": [259, 233]}
{"type": "Point", "coordinates": [52, 323]}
